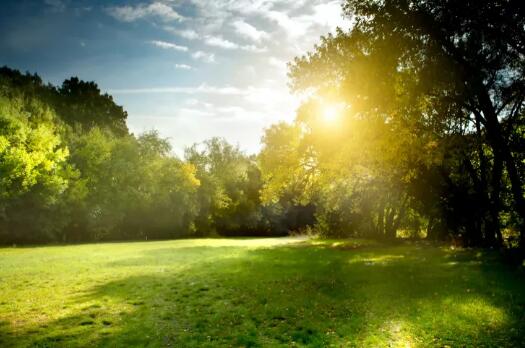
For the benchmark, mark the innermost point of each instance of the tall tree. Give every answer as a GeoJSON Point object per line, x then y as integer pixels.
{"type": "Point", "coordinates": [435, 67]}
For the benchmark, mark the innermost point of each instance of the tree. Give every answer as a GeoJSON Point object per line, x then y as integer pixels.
{"type": "Point", "coordinates": [77, 175]}
{"type": "Point", "coordinates": [136, 189]}
{"type": "Point", "coordinates": [80, 102]}
{"type": "Point", "coordinates": [229, 202]}
{"type": "Point", "coordinates": [439, 68]}
{"type": "Point", "coordinates": [35, 176]}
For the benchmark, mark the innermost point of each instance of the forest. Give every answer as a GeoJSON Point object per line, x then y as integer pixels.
{"type": "Point", "coordinates": [72, 172]}
{"type": "Point", "coordinates": [411, 127]}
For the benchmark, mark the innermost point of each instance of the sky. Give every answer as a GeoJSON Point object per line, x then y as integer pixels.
{"type": "Point", "coordinates": [191, 69]}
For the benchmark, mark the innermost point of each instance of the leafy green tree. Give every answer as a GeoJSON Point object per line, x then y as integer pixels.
{"type": "Point", "coordinates": [35, 176]}
{"type": "Point", "coordinates": [228, 197]}
{"type": "Point", "coordinates": [136, 188]}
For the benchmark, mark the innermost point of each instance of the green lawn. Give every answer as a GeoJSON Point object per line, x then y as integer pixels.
{"type": "Point", "coordinates": [258, 292]}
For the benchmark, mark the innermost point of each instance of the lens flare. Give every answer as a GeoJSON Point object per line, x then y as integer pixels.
{"type": "Point", "coordinates": [331, 113]}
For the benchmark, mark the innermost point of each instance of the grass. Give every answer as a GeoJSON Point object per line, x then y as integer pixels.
{"type": "Point", "coordinates": [258, 292]}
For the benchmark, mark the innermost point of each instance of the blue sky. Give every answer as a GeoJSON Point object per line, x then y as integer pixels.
{"type": "Point", "coordinates": [191, 69]}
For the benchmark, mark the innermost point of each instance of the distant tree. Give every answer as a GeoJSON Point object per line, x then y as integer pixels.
{"type": "Point", "coordinates": [81, 102]}
{"type": "Point", "coordinates": [78, 103]}
{"type": "Point", "coordinates": [229, 202]}
{"type": "Point", "coordinates": [135, 188]}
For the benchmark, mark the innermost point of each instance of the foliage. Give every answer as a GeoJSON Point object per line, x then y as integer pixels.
{"type": "Point", "coordinates": [228, 196]}
{"type": "Point", "coordinates": [35, 176]}
{"type": "Point", "coordinates": [430, 96]}
{"type": "Point", "coordinates": [135, 188]}
{"type": "Point", "coordinates": [80, 102]}
{"type": "Point", "coordinates": [70, 172]}
{"type": "Point", "coordinates": [80, 179]}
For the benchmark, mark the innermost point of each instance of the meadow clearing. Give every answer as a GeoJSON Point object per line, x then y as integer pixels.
{"type": "Point", "coordinates": [258, 292]}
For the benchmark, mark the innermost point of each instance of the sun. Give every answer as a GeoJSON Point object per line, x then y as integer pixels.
{"type": "Point", "coordinates": [331, 113]}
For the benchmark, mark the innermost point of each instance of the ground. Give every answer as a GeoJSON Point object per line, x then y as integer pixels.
{"type": "Point", "coordinates": [258, 292]}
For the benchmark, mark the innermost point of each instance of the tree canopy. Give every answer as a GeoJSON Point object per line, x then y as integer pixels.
{"type": "Point", "coordinates": [429, 130]}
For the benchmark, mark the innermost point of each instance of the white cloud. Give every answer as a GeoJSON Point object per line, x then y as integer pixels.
{"type": "Point", "coordinates": [183, 66]}
{"type": "Point", "coordinates": [169, 45]}
{"type": "Point", "coordinates": [129, 13]}
{"type": "Point", "coordinates": [329, 15]}
{"type": "Point", "coordinates": [217, 41]}
{"type": "Point", "coordinates": [204, 56]}
{"type": "Point", "coordinates": [222, 9]}
{"type": "Point", "coordinates": [253, 48]}
{"type": "Point", "coordinates": [293, 27]}
{"type": "Point", "coordinates": [299, 23]}
{"type": "Point", "coordinates": [318, 20]}
{"type": "Point", "coordinates": [249, 31]}
{"type": "Point", "coordinates": [185, 33]}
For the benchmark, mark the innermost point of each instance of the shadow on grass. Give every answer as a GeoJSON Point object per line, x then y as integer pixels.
{"type": "Point", "coordinates": [307, 295]}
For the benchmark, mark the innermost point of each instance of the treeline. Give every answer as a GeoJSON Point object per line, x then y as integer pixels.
{"type": "Point", "coordinates": [430, 138]}
{"type": "Point", "coordinates": [70, 171]}
{"type": "Point", "coordinates": [413, 126]}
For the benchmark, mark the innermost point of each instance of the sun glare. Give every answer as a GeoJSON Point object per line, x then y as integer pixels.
{"type": "Point", "coordinates": [331, 113]}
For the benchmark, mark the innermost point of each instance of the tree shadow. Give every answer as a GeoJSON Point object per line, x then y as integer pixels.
{"type": "Point", "coordinates": [302, 295]}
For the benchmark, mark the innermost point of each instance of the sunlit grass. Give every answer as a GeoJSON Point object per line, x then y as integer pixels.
{"type": "Point", "coordinates": [258, 292]}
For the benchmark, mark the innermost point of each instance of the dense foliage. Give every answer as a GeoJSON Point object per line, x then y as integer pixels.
{"type": "Point", "coordinates": [429, 138]}
{"type": "Point", "coordinates": [70, 171]}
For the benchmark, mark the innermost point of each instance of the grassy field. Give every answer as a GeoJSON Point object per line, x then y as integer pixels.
{"type": "Point", "coordinates": [258, 292]}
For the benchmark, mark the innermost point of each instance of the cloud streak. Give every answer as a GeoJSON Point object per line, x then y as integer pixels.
{"type": "Point", "coordinates": [188, 34]}
{"type": "Point", "coordinates": [248, 31]}
{"type": "Point", "coordinates": [169, 45]}
{"type": "Point", "coordinates": [217, 41]}
{"type": "Point", "coordinates": [204, 56]}
{"type": "Point", "coordinates": [128, 13]}
{"type": "Point", "coordinates": [183, 66]}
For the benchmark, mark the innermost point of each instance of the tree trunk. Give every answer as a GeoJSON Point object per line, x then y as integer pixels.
{"type": "Point", "coordinates": [390, 232]}
{"type": "Point", "coordinates": [380, 229]}
{"type": "Point", "coordinates": [491, 194]}
{"type": "Point", "coordinates": [495, 200]}
{"type": "Point", "coordinates": [517, 192]}
{"type": "Point", "coordinates": [502, 150]}
{"type": "Point", "coordinates": [431, 228]}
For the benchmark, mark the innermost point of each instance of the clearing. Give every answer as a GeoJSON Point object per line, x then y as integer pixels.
{"type": "Point", "coordinates": [258, 292]}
